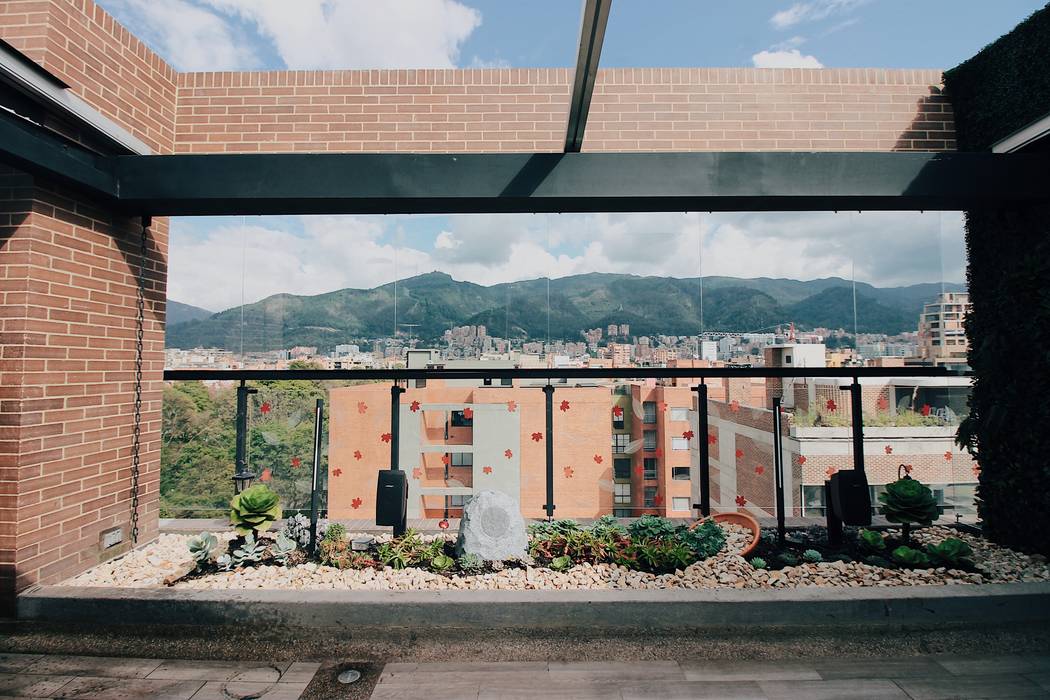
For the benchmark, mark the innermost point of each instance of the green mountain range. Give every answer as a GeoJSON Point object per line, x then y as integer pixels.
{"type": "Point", "coordinates": [429, 304]}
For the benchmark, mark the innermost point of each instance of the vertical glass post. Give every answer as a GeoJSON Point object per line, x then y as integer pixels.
{"type": "Point", "coordinates": [857, 408]}
{"type": "Point", "coordinates": [318, 422]}
{"type": "Point", "coordinates": [778, 469]}
{"type": "Point", "coordinates": [705, 448]}
{"type": "Point", "coordinates": [395, 462]}
{"type": "Point", "coordinates": [548, 392]}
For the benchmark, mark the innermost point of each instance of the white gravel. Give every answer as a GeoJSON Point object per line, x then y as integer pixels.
{"type": "Point", "coordinates": [148, 566]}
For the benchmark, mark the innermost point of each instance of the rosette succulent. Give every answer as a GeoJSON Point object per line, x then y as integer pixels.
{"type": "Point", "coordinates": [908, 502]}
{"type": "Point", "coordinates": [201, 547]}
{"type": "Point", "coordinates": [952, 552]}
{"type": "Point", "coordinates": [254, 510]}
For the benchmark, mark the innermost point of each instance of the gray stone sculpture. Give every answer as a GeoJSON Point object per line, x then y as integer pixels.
{"type": "Point", "coordinates": [492, 527]}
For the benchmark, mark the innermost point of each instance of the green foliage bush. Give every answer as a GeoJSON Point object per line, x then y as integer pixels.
{"type": "Point", "coordinates": [546, 529]}
{"type": "Point", "coordinates": [254, 509]}
{"type": "Point", "coordinates": [651, 527]}
{"type": "Point", "coordinates": [706, 539]}
{"type": "Point", "coordinates": [911, 558]}
{"type": "Point", "coordinates": [335, 532]}
{"type": "Point", "coordinates": [606, 526]}
{"type": "Point", "coordinates": [952, 553]}
{"type": "Point", "coordinates": [812, 556]}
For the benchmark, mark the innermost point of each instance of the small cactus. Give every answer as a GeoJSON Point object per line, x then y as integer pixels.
{"type": "Point", "coordinates": [759, 563]}
{"type": "Point", "coordinates": [201, 547]}
{"type": "Point", "coordinates": [812, 556]}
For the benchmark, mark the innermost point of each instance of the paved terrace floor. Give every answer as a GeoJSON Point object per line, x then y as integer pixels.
{"type": "Point", "coordinates": [925, 677]}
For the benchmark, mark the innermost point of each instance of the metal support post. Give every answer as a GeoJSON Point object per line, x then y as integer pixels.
{"type": "Point", "coordinates": [548, 392]}
{"type": "Point", "coordinates": [395, 424]}
{"type": "Point", "coordinates": [314, 495]}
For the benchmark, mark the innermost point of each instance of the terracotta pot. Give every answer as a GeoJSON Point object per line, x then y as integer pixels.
{"type": "Point", "coordinates": [741, 519]}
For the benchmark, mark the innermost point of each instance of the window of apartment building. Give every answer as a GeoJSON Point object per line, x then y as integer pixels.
{"type": "Point", "coordinates": [462, 459]}
{"type": "Point", "coordinates": [457, 501]}
{"type": "Point", "coordinates": [650, 496]}
{"type": "Point", "coordinates": [421, 383]}
{"type": "Point", "coordinates": [649, 440]}
{"type": "Point", "coordinates": [680, 503]}
{"type": "Point", "coordinates": [679, 443]}
{"type": "Point", "coordinates": [506, 381]}
{"type": "Point", "coordinates": [487, 381]}
{"type": "Point", "coordinates": [622, 468]}
{"type": "Point", "coordinates": [649, 412]}
{"type": "Point", "coordinates": [620, 441]}
{"type": "Point", "coordinates": [461, 421]}
{"type": "Point", "coordinates": [618, 420]}
{"type": "Point", "coordinates": [649, 471]}
{"type": "Point", "coordinates": [622, 513]}
{"type": "Point", "coordinates": [622, 494]}
{"type": "Point", "coordinates": [679, 414]}
{"type": "Point", "coordinates": [680, 474]}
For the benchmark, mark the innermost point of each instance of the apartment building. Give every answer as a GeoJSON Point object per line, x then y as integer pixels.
{"type": "Point", "coordinates": [942, 336]}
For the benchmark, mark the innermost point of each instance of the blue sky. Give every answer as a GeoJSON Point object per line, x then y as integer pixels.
{"type": "Point", "coordinates": [217, 262]}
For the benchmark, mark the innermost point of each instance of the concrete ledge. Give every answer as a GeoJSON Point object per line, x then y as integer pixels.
{"type": "Point", "coordinates": [918, 607]}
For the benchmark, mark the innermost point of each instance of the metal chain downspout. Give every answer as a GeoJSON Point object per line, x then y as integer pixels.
{"type": "Point", "coordinates": [136, 434]}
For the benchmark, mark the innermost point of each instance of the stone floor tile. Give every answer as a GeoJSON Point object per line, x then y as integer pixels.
{"type": "Point", "coordinates": [451, 691]}
{"type": "Point", "coordinates": [127, 689]}
{"type": "Point", "coordinates": [901, 667]}
{"type": "Point", "coordinates": [12, 663]}
{"type": "Point", "coordinates": [860, 689]}
{"type": "Point", "coordinates": [94, 666]}
{"type": "Point", "coordinates": [31, 685]}
{"type": "Point", "coordinates": [251, 671]}
{"type": "Point", "coordinates": [693, 690]}
{"type": "Point", "coordinates": [224, 690]}
{"type": "Point", "coordinates": [611, 671]}
{"type": "Point", "coordinates": [471, 666]}
{"type": "Point", "coordinates": [300, 671]}
{"type": "Point", "coordinates": [585, 691]}
{"type": "Point", "coordinates": [975, 664]}
{"type": "Point", "coordinates": [719, 670]}
{"type": "Point", "coordinates": [441, 678]}
{"type": "Point", "coordinates": [978, 686]}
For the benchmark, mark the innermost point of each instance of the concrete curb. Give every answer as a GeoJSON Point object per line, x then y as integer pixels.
{"type": "Point", "coordinates": [915, 607]}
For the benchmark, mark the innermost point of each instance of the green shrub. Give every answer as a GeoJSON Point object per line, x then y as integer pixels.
{"type": "Point", "coordinates": [759, 563]}
{"type": "Point", "coordinates": [254, 509]}
{"type": "Point", "coordinates": [812, 556]}
{"type": "Point", "coordinates": [705, 540]}
{"type": "Point", "coordinates": [662, 556]}
{"type": "Point", "coordinates": [872, 541]}
{"type": "Point", "coordinates": [562, 563]}
{"type": "Point", "coordinates": [908, 502]}
{"type": "Point", "coordinates": [651, 527]}
{"type": "Point", "coordinates": [335, 532]}
{"type": "Point", "coordinates": [952, 553]}
{"type": "Point", "coordinates": [911, 558]}
{"type": "Point", "coordinates": [546, 529]}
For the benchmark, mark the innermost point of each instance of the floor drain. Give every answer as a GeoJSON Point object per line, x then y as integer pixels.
{"type": "Point", "coordinates": [349, 676]}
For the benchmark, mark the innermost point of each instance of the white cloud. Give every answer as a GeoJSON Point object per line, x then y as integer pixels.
{"type": "Point", "coordinates": [189, 37]}
{"type": "Point", "coordinates": [338, 34]}
{"type": "Point", "coordinates": [790, 43]}
{"type": "Point", "coordinates": [887, 248]}
{"type": "Point", "coordinates": [791, 58]}
{"type": "Point", "coordinates": [812, 11]}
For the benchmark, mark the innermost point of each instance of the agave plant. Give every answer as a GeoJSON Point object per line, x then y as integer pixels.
{"type": "Point", "coordinates": [201, 547]}
{"type": "Point", "coordinates": [254, 510]}
{"type": "Point", "coordinates": [908, 501]}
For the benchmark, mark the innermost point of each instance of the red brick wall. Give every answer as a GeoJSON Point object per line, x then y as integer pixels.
{"type": "Point", "coordinates": [68, 326]}
{"type": "Point", "coordinates": [691, 109]}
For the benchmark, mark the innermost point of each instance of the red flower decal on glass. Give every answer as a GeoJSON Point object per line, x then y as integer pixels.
{"type": "Point", "coordinates": [356, 503]}
{"type": "Point", "coordinates": [907, 468]}
{"type": "Point", "coordinates": [386, 437]}
{"type": "Point", "coordinates": [926, 408]}
{"type": "Point", "coordinates": [760, 470]}
{"type": "Point", "coordinates": [739, 454]}
{"type": "Point", "coordinates": [446, 460]}
{"type": "Point", "coordinates": [659, 452]}
{"type": "Point", "coordinates": [487, 470]}
{"type": "Point", "coordinates": [468, 413]}
{"type": "Point", "coordinates": [443, 524]}
{"type": "Point", "coordinates": [618, 411]}
{"type": "Point", "coordinates": [658, 500]}
{"type": "Point", "coordinates": [976, 469]}
{"type": "Point", "coordinates": [948, 456]}
{"type": "Point", "coordinates": [741, 501]}
{"type": "Point", "coordinates": [357, 455]}
{"type": "Point", "coordinates": [831, 405]}
{"type": "Point", "coordinates": [337, 472]}
{"type": "Point", "coordinates": [882, 403]}
{"type": "Point", "coordinates": [889, 449]}
{"type": "Point", "coordinates": [266, 475]}
{"type": "Point", "coordinates": [512, 406]}
{"type": "Point", "coordinates": [417, 473]}
{"type": "Point", "coordinates": [712, 439]}
{"type": "Point", "coordinates": [414, 407]}
{"type": "Point", "coordinates": [568, 472]}
{"type": "Point", "coordinates": [564, 406]}
{"type": "Point", "coordinates": [688, 434]}
{"type": "Point", "coordinates": [801, 460]}
{"type": "Point", "coordinates": [265, 408]}
{"type": "Point", "coordinates": [536, 437]}
{"type": "Point", "coordinates": [597, 459]}
{"type": "Point", "coordinates": [296, 462]}
{"type": "Point", "coordinates": [831, 471]}
{"type": "Point", "coordinates": [638, 471]}
{"type": "Point", "coordinates": [734, 406]}
{"type": "Point", "coordinates": [663, 405]}
{"type": "Point", "coordinates": [362, 407]}
{"type": "Point", "coordinates": [508, 454]}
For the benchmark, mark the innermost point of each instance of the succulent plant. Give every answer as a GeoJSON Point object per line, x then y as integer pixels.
{"type": "Point", "coordinates": [787, 559]}
{"type": "Point", "coordinates": [606, 525]}
{"type": "Point", "coordinates": [201, 547]}
{"type": "Point", "coordinates": [871, 540]}
{"type": "Point", "coordinates": [335, 532]}
{"type": "Point", "coordinates": [706, 539]}
{"type": "Point", "coordinates": [442, 562]}
{"type": "Point", "coordinates": [652, 527]}
{"type": "Point", "coordinates": [470, 563]}
{"type": "Point", "coordinates": [952, 552]}
{"type": "Point", "coordinates": [282, 548]}
{"type": "Point", "coordinates": [225, 562]}
{"type": "Point", "coordinates": [251, 551]}
{"type": "Point", "coordinates": [812, 556]}
{"type": "Point", "coordinates": [562, 563]}
{"type": "Point", "coordinates": [254, 510]}
{"type": "Point", "coordinates": [297, 527]}
{"type": "Point", "coordinates": [759, 563]}
{"type": "Point", "coordinates": [911, 558]}
{"type": "Point", "coordinates": [909, 502]}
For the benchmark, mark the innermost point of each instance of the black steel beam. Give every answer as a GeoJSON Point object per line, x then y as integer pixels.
{"type": "Point", "coordinates": [578, 373]}
{"type": "Point", "coordinates": [325, 183]}
{"type": "Point", "coordinates": [39, 151]}
{"type": "Point", "coordinates": [595, 18]}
